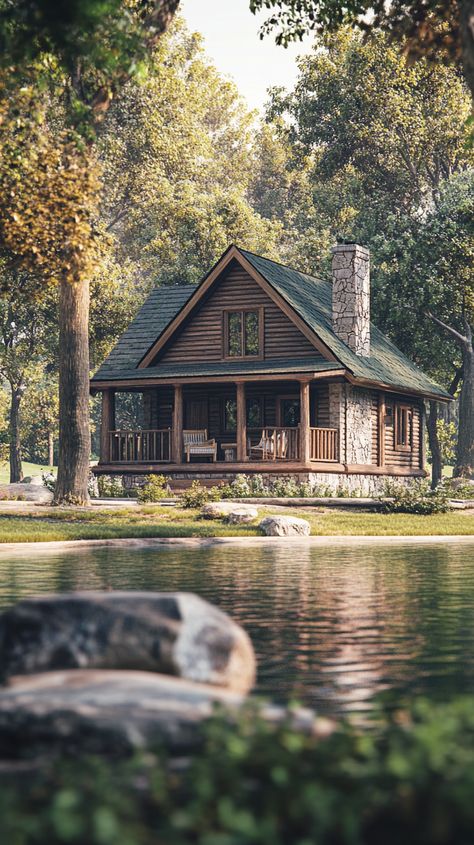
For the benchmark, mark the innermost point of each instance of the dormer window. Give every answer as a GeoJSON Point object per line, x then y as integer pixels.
{"type": "Point", "coordinates": [243, 333]}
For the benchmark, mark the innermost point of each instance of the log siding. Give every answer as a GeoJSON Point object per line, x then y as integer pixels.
{"type": "Point", "coordinates": [201, 336]}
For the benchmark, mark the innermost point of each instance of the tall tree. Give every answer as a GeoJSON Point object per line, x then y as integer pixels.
{"type": "Point", "coordinates": [86, 54]}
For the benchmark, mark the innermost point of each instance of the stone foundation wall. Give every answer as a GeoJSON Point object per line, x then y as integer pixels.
{"type": "Point", "coordinates": [361, 484]}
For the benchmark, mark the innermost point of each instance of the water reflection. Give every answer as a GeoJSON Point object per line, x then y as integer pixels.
{"type": "Point", "coordinates": [332, 626]}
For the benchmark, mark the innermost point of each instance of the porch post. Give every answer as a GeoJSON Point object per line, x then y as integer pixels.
{"type": "Point", "coordinates": [241, 422]}
{"type": "Point", "coordinates": [177, 432]}
{"type": "Point", "coordinates": [304, 423]}
{"type": "Point", "coordinates": [107, 424]}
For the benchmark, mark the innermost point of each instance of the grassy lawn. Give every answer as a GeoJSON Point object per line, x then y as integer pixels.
{"type": "Point", "coordinates": [155, 521]}
{"type": "Point", "coordinates": [28, 469]}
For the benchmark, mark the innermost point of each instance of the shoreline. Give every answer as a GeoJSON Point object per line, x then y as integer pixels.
{"type": "Point", "coordinates": [157, 542]}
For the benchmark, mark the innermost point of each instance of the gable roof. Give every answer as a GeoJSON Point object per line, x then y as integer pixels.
{"type": "Point", "coordinates": [309, 299]}
{"type": "Point", "coordinates": [161, 305]}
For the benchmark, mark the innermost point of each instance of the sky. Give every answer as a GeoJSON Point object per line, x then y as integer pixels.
{"type": "Point", "coordinates": [232, 42]}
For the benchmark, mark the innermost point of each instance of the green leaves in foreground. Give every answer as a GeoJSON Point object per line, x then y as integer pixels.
{"type": "Point", "coordinates": [410, 781]}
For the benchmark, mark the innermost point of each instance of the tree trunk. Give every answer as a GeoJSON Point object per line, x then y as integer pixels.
{"type": "Point", "coordinates": [16, 472]}
{"type": "Point", "coordinates": [465, 447]}
{"type": "Point", "coordinates": [466, 22]}
{"type": "Point", "coordinates": [50, 449]}
{"type": "Point", "coordinates": [436, 463]}
{"type": "Point", "coordinates": [74, 435]}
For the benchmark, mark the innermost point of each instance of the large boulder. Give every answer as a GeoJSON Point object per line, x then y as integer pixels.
{"type": "Point", "coordinates": [103, 711]}
{"type": "Point", "coordinates": [28, 492]}
{"type": "Point", "coordinates": [285, 526]}
{"type": "Point", "coordinates": [221, 510]}
{"type": "Point", "coordinates": [116, 713]}
{"type": "Point", "coordinates": [172, 633]}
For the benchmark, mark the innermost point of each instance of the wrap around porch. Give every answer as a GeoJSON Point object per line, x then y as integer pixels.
{"type": "Point", "coordinates": [237, 424]}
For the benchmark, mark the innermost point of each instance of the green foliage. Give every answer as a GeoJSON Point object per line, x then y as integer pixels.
{"type": "Point", "coordinates": [426, 28]}
{"type": "Point", "coordinates": [176, 154]}
{"type": "Point", "coordinates": [197, 495]}
{"type": "Point", "coordinates": [416, 497]}
{"type": "Point", "coordinates": [253, 783]}
{"type": "Point", "coordinates": [110, 487]}
{"type": "Point", "coordinates": [447, 440]}
{"type": "Point", "coordinates": [154, 489]}
{"type": "Point", "coordinates": [255, 486]}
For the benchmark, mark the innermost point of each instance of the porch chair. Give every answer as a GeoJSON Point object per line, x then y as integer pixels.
{"type": "Point", "coordinates": [268, 442]}
{"type": "Point", "coordinates": [195, 442]}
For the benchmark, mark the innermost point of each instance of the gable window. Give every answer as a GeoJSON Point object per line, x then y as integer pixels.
{"type": "Point", "coordinates": [402, 427]}
{"type": "Point", "coordinates": [243, 333]}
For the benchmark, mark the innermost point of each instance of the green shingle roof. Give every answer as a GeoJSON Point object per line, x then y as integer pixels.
{"type": "Point", "coordinates": [156, 312]}
{"type": "Point", "coordinates": [310, 298]}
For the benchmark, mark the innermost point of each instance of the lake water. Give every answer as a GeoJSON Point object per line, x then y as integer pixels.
{"type": "Point", "coordinates": [335, 627]}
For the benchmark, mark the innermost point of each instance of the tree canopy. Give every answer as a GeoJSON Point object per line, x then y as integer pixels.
{"type": "Point", "coordinates": [439, 30]}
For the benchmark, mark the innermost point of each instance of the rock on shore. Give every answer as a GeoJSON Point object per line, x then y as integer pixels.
{"type": "Point", "coordinates": [176, 634]}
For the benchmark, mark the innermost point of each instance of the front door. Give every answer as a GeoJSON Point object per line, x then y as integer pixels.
{"type": "Point", "coordinates": [196, 415]}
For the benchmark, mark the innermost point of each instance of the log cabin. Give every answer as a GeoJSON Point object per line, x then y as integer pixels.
{"type": "Point", "coordinates": [263, 369]}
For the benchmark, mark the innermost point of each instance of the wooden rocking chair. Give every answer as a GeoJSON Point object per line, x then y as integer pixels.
{"type": "Point", "coordinates": [195, 442]}
{"type": "Point", "coordinates": [271, 446]}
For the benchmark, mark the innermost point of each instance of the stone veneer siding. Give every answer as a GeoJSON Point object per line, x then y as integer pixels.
{"type": "Point", "coordinates": [350, 411]}
{"type": "Point", "coordinates": [351, 296]}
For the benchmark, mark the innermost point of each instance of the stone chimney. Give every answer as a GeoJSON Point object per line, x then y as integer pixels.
{"type": "Point", "coordinates": [351, 296]}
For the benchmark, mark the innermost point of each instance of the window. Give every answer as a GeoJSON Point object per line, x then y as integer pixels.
{"type": "Point", "coordinates": [243, 333]}
{"type": "Point", "coordinates": [289, 411]}
{"type": "Point", "coordinates": [230, 415]}
{"type": "Point", "coordinates": [254, 414]}
{"type": "Point", "coordinates": [402, 427]}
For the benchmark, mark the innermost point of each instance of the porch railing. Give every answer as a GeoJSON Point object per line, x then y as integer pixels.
{"type": "Point", "coordinates": [324, 444]}
{"type": "Point", "coordinates": [146, 446]}
{"type": "Point", "coordinates": [276, 444]}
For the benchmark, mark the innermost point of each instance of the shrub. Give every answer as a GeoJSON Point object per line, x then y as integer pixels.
{"type": "Point", "coordinates": [459, 488]}
{"type": "Point", "coordinates": [49, 481]}
{"type": "Point", "coordinates": [243, 487]}
{"type": "Point", "coordinates": [154, 489]}
{"type": "Point", "coordinates": [110, 487]}
{"type": "Point", "coordinates": [417, 497]}
{"type": "Point", "coordinates": [253, 783]}
{"type": "Point", "coordinates": [197, 495]}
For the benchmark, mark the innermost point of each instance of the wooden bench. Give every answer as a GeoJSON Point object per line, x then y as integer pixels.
{"type": "Point", "coordinates": [195, 442]}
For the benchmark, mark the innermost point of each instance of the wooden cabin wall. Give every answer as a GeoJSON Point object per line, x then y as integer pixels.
{"type": "Point", "coordinates": [320, 406]}
{"type": "Point", "coordinates": [374, 421]}
{"type": "Point", "coordinates": [393, 457]}
{"type": "Point", "coordinates": [201, 337]}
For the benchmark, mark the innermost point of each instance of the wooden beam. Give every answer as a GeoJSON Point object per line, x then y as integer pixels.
{"type": "Point", "coordinates": [381, 430]}
{"type": "Point", "coordinates": [304, 422]}
{"type": "Point", "coordinates": [177, 432]}
{"type": "Point", "coordinates": [276, 467]}
{"type": "Point", "coordinates": [241, 422]}
{"type": "Point", "coordinates": [221, 379]}
{"type": "Point", "coordinates": [107, 424]}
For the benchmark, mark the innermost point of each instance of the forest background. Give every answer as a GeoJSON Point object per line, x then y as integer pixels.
{"type": "Point", "coordinates": [367, 145]}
